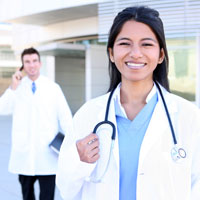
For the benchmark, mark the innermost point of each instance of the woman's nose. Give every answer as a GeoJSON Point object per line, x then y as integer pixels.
{"type": "Point", "coordinates": [135, 52]}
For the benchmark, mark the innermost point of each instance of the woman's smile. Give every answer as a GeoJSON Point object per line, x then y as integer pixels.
{"type": "Point", "coordinates": [136, 52]}
{"type": "Point", "coordinates": [134, 65]}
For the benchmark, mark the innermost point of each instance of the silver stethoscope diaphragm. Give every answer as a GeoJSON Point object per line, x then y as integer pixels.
{"type": "Point", "coordinates": [177, 153]}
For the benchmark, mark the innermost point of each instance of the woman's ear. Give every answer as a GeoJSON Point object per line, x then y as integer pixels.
{"type": "Point", "coordinates": [110, 50]}
{"type": "Point", "coordinates": [162, 56]}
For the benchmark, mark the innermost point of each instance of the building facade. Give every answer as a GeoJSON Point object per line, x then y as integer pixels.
{"type": "Point", "coordinates": [72, 36]}
{"type": "Point", "coordinates": [8, 59]}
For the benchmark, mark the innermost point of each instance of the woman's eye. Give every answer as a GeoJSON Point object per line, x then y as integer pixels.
{"type": "Point", "coordinates": [147, 44]}
{"type": "Point", "coordinates": [123, 43]}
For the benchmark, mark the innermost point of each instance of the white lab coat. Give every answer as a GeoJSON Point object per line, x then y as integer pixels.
{"type": "Point", "coordinates": [159, 177]}
{"type": "Point", "coordinates": [36, 121]}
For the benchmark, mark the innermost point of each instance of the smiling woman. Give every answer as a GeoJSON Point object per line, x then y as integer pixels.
{"type": "Point", "coordinates": [156, 152]}
{"type": "Point", "coordinates": [136, 53]}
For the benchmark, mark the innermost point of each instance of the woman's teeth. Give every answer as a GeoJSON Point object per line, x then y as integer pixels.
{"type": "Point", "coordinates": [135, 65]}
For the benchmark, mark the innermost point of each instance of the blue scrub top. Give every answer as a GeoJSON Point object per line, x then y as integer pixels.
{"type": "Point", "coordinates": [130, 136]}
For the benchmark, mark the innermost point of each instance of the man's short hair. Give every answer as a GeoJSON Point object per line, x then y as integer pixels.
{"type": "Point", "coordinates": [29, 51]}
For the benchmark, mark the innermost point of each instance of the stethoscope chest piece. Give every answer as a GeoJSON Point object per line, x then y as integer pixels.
{"type": "Point", "coordinates": [178, 154]}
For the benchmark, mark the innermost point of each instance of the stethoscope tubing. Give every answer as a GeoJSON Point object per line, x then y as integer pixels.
{"type": "Point", "coordinates": [176, 152]}
{"type": "Point", "coordinates": [167, 113]}
{"type": "Point", "coordinates": [106, 121]}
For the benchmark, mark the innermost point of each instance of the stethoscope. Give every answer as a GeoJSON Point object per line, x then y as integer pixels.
{"type": "Point", "coordinates": [177, 153]}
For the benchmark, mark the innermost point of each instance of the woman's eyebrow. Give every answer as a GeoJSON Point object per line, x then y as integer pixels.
{"type": "Point", "coordinates": [150, 39]}
{"type": "Point", "coordinates": [125, 38]}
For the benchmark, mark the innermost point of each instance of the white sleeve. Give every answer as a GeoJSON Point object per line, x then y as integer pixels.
{"type": "Point", "coordinates": [7, 102]}
{"type": "Point", "coordinates": [72, 173]}
{"type": "Point", "coordinates": [64, 113]}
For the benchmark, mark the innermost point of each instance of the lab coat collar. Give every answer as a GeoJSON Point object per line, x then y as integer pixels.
{"type": "Point", "coordinates": [119, 108]}
{"type": "Point", "coordinates": [29, 81]}
{"type": "Point", "coordinates": [171, 105]}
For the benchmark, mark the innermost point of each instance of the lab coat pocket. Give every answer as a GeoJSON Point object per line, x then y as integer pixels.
{"type": "Point", "coordinates": [177, 176]}
{"type": "Point", "coordinates": [20, 141]}
{"type": "Point", "coordinates": [174, 167]}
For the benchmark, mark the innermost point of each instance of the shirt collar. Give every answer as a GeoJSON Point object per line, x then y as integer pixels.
{"type": "Point", "coordinates": [151, 93]}
{"type": "Point", "coordinates": [29, 81]}
{"type": "Point", "coordinates": [119, 108]}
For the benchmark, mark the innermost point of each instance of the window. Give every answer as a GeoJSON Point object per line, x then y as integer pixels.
{"type": "Point", "coordinates": [182, 67]}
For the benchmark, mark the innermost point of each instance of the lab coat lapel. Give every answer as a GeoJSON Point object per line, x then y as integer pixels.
{"type": "Point", "coordinates": [158, 126]}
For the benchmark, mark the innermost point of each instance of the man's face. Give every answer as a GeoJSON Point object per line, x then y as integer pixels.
{"type": "Point", "coordinates": [32, 66]}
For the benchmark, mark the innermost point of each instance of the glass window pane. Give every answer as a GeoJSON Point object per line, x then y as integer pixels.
{"type": "Point", "coordinates": [182, 67]}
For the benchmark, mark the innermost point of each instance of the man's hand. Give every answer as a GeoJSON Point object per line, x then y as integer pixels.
{"type": "Point", "coordinates": [16, 79]}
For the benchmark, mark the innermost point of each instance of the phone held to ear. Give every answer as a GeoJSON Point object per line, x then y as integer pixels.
{"type": "Point", "coordinates": [21, 68]}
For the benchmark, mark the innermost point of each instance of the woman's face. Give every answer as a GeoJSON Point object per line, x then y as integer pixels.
{"type": "Point", "coordinates": [136, 52]}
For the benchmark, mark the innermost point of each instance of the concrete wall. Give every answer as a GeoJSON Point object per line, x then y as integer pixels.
{"type": "Point", "coordinates": [70, 74]}
{"type": "Point", "coordinates": [48, 67]}
{"type": "Point", "coordinates": [83, 78]}
{"type": "Point", "coordinates": [30, 35]}
{"type": "Point", "coordinates": [97, 77]}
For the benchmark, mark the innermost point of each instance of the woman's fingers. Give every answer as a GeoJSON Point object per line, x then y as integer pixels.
{"type": "Point", "coordinates": [91, 138]}
{"type": "Point", "coordinates": [88, 148]}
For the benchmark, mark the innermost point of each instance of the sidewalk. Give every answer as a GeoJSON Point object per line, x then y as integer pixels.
{"type": "Point", "coordinates": [9, 186]}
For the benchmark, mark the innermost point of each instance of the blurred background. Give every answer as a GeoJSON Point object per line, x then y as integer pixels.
{"type": "Point", "coordinates": [71, 36]}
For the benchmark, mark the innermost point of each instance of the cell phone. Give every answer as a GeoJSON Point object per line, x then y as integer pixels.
{"type": "Point", "coordinates": [21, 68]}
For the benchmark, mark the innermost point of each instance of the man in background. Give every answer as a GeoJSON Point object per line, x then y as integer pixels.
{"type": "Point", "coordinates": [39, 111]}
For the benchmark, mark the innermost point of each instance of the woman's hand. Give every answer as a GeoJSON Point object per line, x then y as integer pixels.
{"type": "Point", "coordinates": [88, 148]}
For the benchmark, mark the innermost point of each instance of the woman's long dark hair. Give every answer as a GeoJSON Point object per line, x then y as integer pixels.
{"type": "Point", "coordinates": [151, 18]}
